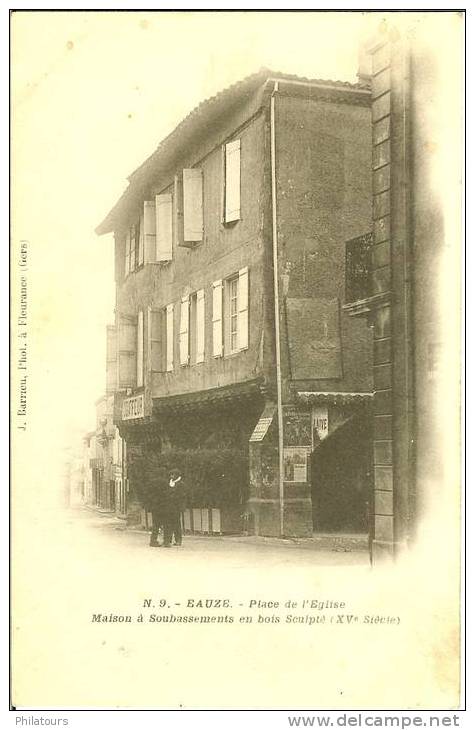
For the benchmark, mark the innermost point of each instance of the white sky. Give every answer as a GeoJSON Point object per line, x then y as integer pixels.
{"type": "Point", "coordinates": [92, 96]}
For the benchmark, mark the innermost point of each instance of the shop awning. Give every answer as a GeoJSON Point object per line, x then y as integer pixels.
{"type": "Point", "coordinates": [317, 397]}
{"type": "Point", "coordinates": [211, 397]}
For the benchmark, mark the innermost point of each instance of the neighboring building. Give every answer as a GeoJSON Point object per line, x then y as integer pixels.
{"type": "Point", "coordinates": [232, 244]}
{"type": "Point", "coordinates": [89, 450]}
{"type": "Point", "coordinates": [74, 479]}
{"type": "Point", "coordinates": [409, 256]}
{"type": "Point", "coordinates": [104, 484]}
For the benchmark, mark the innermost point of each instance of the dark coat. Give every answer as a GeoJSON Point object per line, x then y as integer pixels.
{"type": "Point", "coordinates": [154, 496]}
{"type": "Point", "coordinates": [173, 499]}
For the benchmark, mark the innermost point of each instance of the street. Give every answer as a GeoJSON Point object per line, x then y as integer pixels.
{"type": "Point", "coordinates": [225, 551]}
{"type": "Point", "coordinates": [107, 621]}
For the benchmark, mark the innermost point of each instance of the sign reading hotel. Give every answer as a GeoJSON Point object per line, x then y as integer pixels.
{"type": "Point", "coordinates": [133, 408]}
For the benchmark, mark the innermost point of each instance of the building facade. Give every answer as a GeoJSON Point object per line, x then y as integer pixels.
{"type": "Point", "coordinates": [232, 244]}
{"type": "Point", "coordinates": [408, 262]}
{"type": "Point", "coordinates": [105, 486]}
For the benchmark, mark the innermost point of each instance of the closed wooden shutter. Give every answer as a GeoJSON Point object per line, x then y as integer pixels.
{"type": "Point", "coordinates": [184, 331]}
{"type": "Point", "coordinates": [170, 335]}
{"type": "Point", "coordinates": [111, 359]}
{"type": "Point", "coordinates": [217, 318]}
{"type": "Point", "coordinates": [140, 258]}
{"type": "Point", "coordinates": [178, 210]}
{"type": "Point", "coordinates": [164, 227]}
{"type": "Point", "coordinates": [149, 224]}
{"type": "Point", "coordinates": [232, 211]}
{"type": "Point", "coordinates": [140, 349]}
{"type": "Point", "coordinates": [243, 309]}
{"type": "Point", "coordinates": [133, 248]}
{"type": "Point", "coordinates": [127, 253]}
{"type": "Point", "coordinates": [200, 326]}
{"type": "Point", "coordinates": [126, 351]}
{"type": "Point", "coordinates": [192, 206]}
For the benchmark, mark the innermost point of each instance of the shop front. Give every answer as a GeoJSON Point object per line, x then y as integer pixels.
{"type": "Point", "coordinates": [203, 434]}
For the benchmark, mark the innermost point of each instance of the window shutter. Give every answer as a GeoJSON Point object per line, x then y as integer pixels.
{"type": "Point", "coordinates": [243, 309]}
{"type": "Point", "coordinates": [149, 226]}
{"type": "Point", "coordinates": [184, 331]}
{"type": "Point", "coordinates": [217, 318]}
{"type": "Point", "coordinates": [164, 227]}
{"type": "Point", "coordinates": [192, 206]}
{"type": "Point", "coordinates": [200, 326]}
{"type": "Point", "coordinates": [169, 326]}
{"type": "Point", "coordinates": [126, 346]}
{"type": "Point", "coordinates": [141, 240]}
{"type": "Point", "coordinates": [111, 359]}
{"type": "Point", "coordinates": [140, 349]}
{"type": "Point", "coordinates": [178, 210]}
{"type": "Point", "coordinates": [133, 249]}
{"type": "Point", "coordinates": [155, 340]}
{"type": "Point", "coordinates": [232, 210]}
{"type": "Point", "coordinates": [127, 252]}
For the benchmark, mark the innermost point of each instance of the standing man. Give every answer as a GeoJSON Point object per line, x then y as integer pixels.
{"type": "Point", "coordinates": [172, 509]}
{"type": "Point", "coordinates": [156, 505]}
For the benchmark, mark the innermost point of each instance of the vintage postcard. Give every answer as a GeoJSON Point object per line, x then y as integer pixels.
{"type": "Point", "coordinates": [235, 355]}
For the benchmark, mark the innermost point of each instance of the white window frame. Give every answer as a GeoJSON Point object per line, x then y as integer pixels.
{"type": "Point", "coordinates": [140, 349]}
{"type": "Point", "coordinates": [200, 326]}
{"type": "Point", "coordinates": [184, 338]}
{"type": "Point", "coordinates": [237, 314]}
{"type": "Point", "coordinates": [233, 314]}
{"type": "Point", "coordinates": [217, 318]}
{"type": "Point", "coordinates": [169, 336]}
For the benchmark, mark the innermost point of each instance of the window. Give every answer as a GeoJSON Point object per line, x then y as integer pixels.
{"type": "Point", "coordinates": [184, 331]}
{"type": "Point", "coordinates": [197, 327]}
{"type": "Point", "coordinates": [233, 314]}
{"type": "Point", "coordinates": [131, 249]}
{"type": "Point", "coordinates": [111, 359]}
{"type": "Point", "coordinates": [127, 253]}
{"type": "Point", "coordinates": [232, 181]}
{"type": "Point", "coordinates": [200, 326]}
{"type": "Point", "coordinates": [217, 318]}
{"type": "Point", "coordinates": [140, 348]}
{"type": "Point", "coordinates": [149, 232]}
{"type": "Point", "coordinates": [169, 337]}
{"type": "Point", "coordinates": [192, 207]}
{"type": "Point", "coordinates": [164, 227]}
{"type": "Point", "coordinates": [236, 325]}
{"type": "Point", "coordinates": [358, 267]}
{"type": "Point", "coordinates": [140, 246]}
{"type": "Point", "coordinates": [140, 239]}
{"type": "Point", "coordinates": [126, 351]}
{"type": "Point", "coordinates": [156, 319]}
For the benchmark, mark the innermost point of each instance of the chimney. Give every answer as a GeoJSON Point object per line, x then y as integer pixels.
{"type": "Point", "coordinates": [364, 65]}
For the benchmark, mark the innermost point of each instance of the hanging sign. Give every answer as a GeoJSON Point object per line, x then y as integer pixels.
{"type": "Point", "coordinates": [133, 408]}
{"type": "Point", "coordinates": [319, 424]}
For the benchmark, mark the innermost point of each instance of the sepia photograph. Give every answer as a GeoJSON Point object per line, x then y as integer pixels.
{"type": "Point", "coordinates": [236, 311]}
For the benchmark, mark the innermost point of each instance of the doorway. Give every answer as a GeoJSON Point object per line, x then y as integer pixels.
{"type": "Point", "coordinates": [341, 479]}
